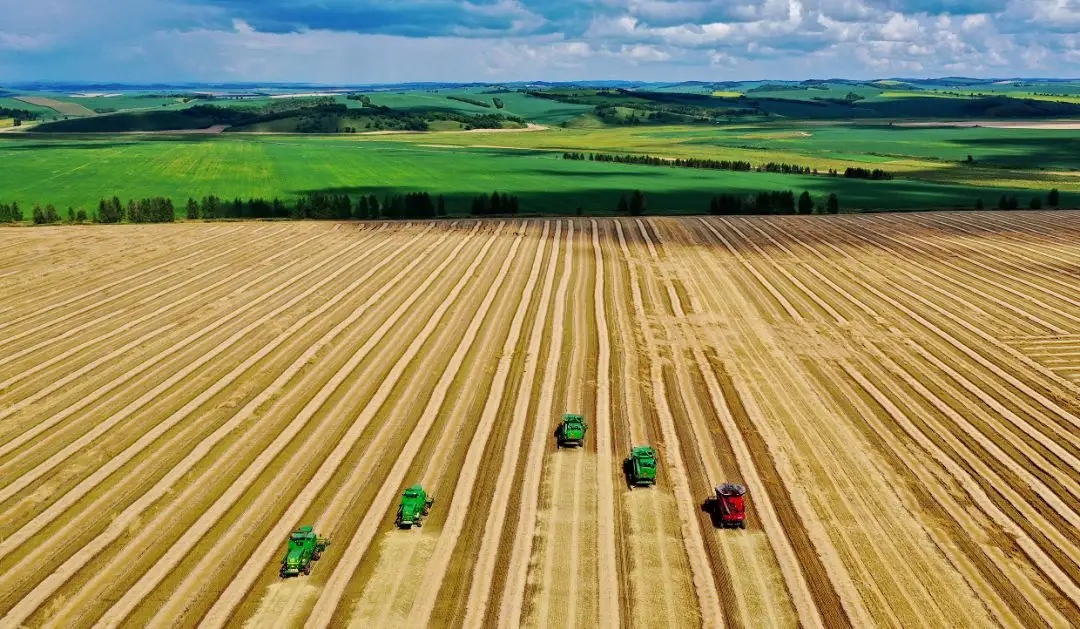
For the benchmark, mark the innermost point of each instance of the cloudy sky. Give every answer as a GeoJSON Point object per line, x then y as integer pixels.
{"type": "Point", "coordinates": [362, 41]}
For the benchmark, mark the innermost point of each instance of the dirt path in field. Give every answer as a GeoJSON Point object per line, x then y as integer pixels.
{"type": "Point", "coordinates": [283, 603]}
{"type": "Point", "coordinates": [486, 568]}
{"type": "Point", "coordinates": [608, 580]}
{"type": "Point", "coordinates": [564, 580]}
{"type": "Point", "coordinates": [653, 551]}
{"type": "Point", "coordinates": [703, 578]}
{"type": "Point", "coordinates": [513, 600]}
{"type": "Point", "coordinates": [435, 571]}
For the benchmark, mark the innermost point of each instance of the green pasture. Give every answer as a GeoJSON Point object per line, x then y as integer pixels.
{"type": "Point", "coordinates": [1030, 158]}
{"type": "Point", "coordinates": [124, 102]}
{"type": "Point", "coordinates": [45, 113]}
{"type": "Point", "coordinates": [78, 172]}
{"type": "Point", "coordinates": [881, 143]}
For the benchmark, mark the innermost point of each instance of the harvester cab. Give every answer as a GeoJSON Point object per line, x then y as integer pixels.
{"type": "Point", "coordinates": [571, 432]}
{"type": "Point", "coordinates": [640, 466]}
{"type": "Point", "coordinates": [304, 547]}
{"type": "Point", "coordinates": [728, 506]}
{"type": "Point", "coordinates": [415, 504]}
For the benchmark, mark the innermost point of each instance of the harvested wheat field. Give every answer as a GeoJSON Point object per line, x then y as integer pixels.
{"type": "Point", "coordinates": [898, 393]}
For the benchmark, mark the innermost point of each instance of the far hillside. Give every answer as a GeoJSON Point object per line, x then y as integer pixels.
{"type": "Point", "coordinates": [819, 101]}
{"type": "Point", "coordinates": [291, 115]}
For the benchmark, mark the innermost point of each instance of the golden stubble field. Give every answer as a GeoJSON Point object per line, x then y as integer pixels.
{"type": "Point", "coordinates": [899, 393]}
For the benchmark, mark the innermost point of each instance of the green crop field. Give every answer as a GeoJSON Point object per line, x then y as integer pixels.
{"type": "Point", "coordinates": [80, 171]}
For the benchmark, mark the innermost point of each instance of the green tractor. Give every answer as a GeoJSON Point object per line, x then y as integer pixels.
{"type": "Point", "coordinates": [640, 466]}
{"type": "Point", "coordinates": [304, 547]}
{"type": "Point", "coordinates": [415, 504]}
{"type": "Point", "coordinates": [571, 432]}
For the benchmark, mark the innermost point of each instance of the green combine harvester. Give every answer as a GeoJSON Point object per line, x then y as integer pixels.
{"type": "Point", "coordinates": [304, 547]}
{"type": "Point", "coordinates": [640, 466]}
{"type": "Point", "coordinates": [571, 432]}
{"type": "Point", "coordinates": [415, 504]}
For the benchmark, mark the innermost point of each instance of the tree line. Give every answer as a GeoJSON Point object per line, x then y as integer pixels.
{"type": "Point", "coordinates": [470, 101]}
{"type": "Point", "coordinates": [422, 205]}
{"type": "Point", "coordinates": [20, 115]}
{"type": "Point", "coordinates": [494, 204]}
{"type": "Point", "coordinates": [693, 162]}
{"type": "Point", "coordinates": [1012, 202]}
{"type": "Point", "coordinates": [783, 202]}
{"type": "Point", "coordinates": [863, 173]}
{"type": "Point", "coordinates": [730, 165]}
{"type": "Point", "coordinates": [10, 213]}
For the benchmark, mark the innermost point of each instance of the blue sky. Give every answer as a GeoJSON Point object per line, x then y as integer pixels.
{"type": "Point", "coordinates": [358, 41]}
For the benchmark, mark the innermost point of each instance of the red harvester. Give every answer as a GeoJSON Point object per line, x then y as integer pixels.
{"type": "Point", "coordinates": [729, 506]}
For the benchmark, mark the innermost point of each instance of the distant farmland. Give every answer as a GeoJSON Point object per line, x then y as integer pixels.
{"type": "Point", "coordinates": [63, 107]}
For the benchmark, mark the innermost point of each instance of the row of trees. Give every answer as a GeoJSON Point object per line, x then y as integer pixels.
{"type": "Point", "coordinates": [19, 115]}
{"type": "Point", "coordinates": [470, 101]}
{"type": "Point", "coordinates": [731, 165]}
{"type": "Point", "coordinates": [1012, 202]}
{"type": "Point", "coordinates": [864, 173]}
{"type": "Point", "coordinates": [148, 210]}
{"type": "Point", "coordinates": [693, 162]}
{"type": "Point", "coordinates": [494, 204]}
{"type": "Point", "coordinates": [634, 204]}
{"type": "Point", "coordinates": [322, 206]}
{"type": "Point", "coordinates": [773, 203]}
{"type": "Point", "coordinates": [422, 205]}
{"type": "Point", "coordinates": [10, 213]}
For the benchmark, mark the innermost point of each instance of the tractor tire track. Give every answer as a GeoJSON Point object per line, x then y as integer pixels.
{"type": "Point", "coordinates": [513, 599]}
{"type": "Point", "coordinates": [703, 578]}
{"type": "Point", "coordinates": [434, 573]}
{"type": "Point", "coordinates": [484, 572]}
{"type": "Point", "coordinates": [330, 597]}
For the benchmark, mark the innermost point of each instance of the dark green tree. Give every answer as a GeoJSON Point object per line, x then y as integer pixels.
{"type": "Point", "coordinates": [624, 205]}
{"type": "Point", "coordinates": [637, 203]}
{"type": "Point", "coordinates": [1053, 199]}
{"type": "Point", "coordinates": [192, 209]}
{"type": "Point", "coordinates": [71, 215]}
{"type": "Point", "coordinates": [979, 204]}
{"type": "Point", "coordinates": [833, 204]}
{"type": "Point", "coordinates": [441, 207]}
{"type": "Point", "coordinates": [1035, 203]}
{"type": "Point", "coordinates": [806, 203]}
